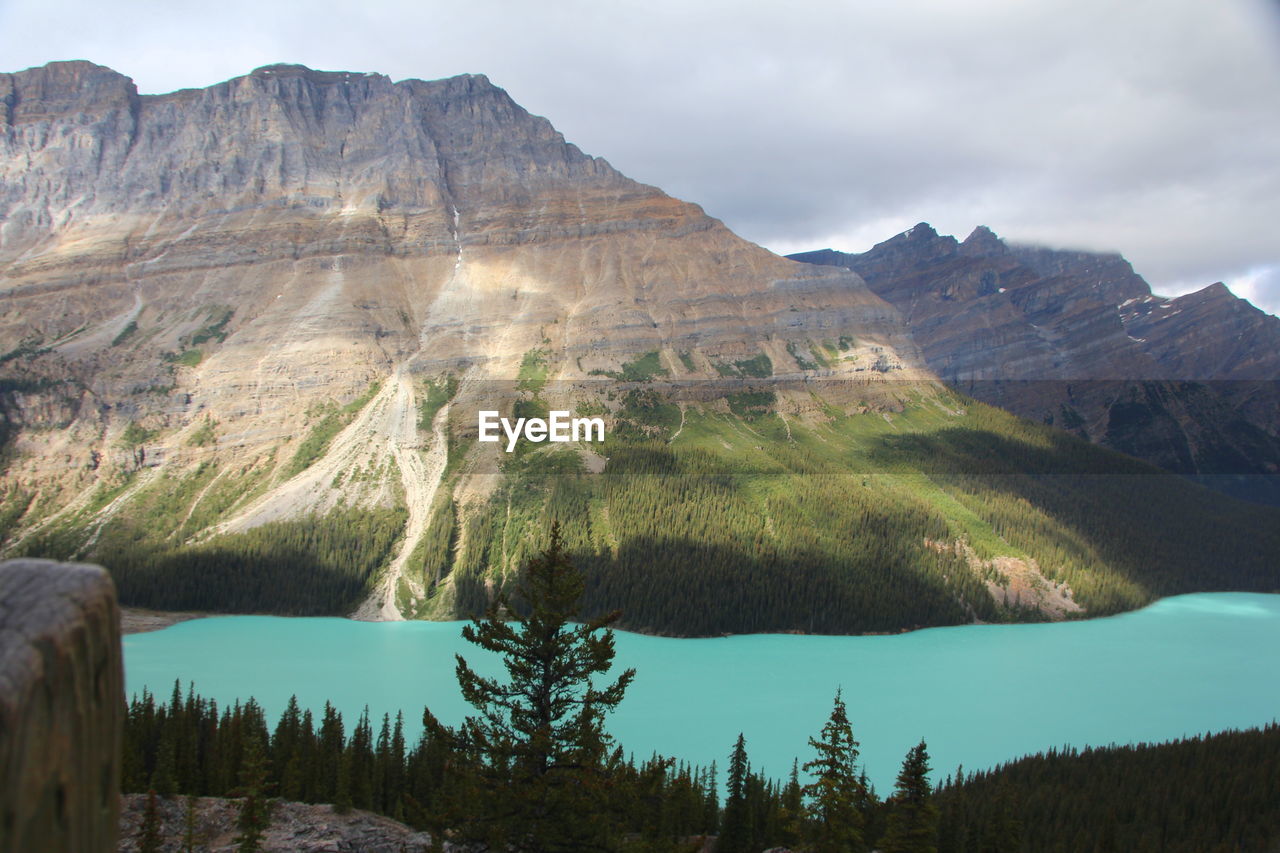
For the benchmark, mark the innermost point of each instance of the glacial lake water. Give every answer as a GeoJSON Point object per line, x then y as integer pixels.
{"type": "Point", "coordinates": [979, 695]}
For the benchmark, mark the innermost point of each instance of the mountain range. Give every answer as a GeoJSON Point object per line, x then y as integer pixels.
{"type": "Point", "coordinates": [1078, 340]}
{"type": "Point", "coordinates": [247, 329]}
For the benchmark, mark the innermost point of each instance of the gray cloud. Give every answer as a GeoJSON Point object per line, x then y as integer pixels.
{"type": "Point", "coordinates": [1149, 127]}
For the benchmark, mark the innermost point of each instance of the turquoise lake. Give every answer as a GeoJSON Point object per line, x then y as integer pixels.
{"type": "Point", "coordinates": [979, 695]}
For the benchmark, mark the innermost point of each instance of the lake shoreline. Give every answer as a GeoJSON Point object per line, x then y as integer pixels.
{"type": "Point", "coordinates": [981, 696]}
{"type": "Point", "coordinates": [139, 620]}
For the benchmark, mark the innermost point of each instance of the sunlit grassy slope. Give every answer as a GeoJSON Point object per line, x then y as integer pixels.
{"type": "Point", "coordinates": [752, 512]}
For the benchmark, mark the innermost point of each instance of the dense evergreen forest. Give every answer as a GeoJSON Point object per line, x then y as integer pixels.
{"type": "Point", "coordinates": [1201, 795]}
{"type": "Point", "coordinates": [535, 770]}
{"type": "Point", "coordinates": [1209, 794]}
{"type": "Point", "coordinates": [709, 522]}
{"type": "Point", "coordinates": [726, 516]}
{"type": "Point", "coordinates": [303, 567]}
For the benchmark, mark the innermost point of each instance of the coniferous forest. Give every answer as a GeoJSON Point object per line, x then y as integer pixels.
{"type": "Point", "coordinates": [1200, 795]}
{"type": "Point", "coordinates": [535, 769]}
{"type": "Point", "coordinates": [727, 516]}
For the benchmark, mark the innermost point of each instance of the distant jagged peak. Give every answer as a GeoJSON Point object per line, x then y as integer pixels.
{"type": "Point", "coordinates": [983, 242]}
{"type": "Point", "coordinates": [1217, 290]}
{"type": "Point", "coordinates": [919, 231]}
{"type": "Point", "coordinates": [1216, 295]}
{"type": "Point", "coordinates": [921, 241]}
{"type": "Point", "coordinates": [825, 257]}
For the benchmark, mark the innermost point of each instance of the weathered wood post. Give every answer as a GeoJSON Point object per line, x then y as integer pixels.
{"type": "Point", "coordinates": [61, 707]}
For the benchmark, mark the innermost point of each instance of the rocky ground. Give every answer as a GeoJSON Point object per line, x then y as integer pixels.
{"type": "Point", "coordinates": [294, 827]}
{"type": "Point", "coordinates": [138, 620]}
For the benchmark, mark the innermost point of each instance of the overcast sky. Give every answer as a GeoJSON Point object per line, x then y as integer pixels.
{"type": "Point", "coordinates": [1149, 127]}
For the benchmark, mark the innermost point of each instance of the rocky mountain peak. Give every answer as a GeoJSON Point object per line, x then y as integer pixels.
{"type": "Point", "coordinates": [920, 232]}
{"type": "Point", "coordinates": [1077, 339]}
{"type": "Point", "coordinates": [918, 243]}
{"type": "Point", "coordinates": [251, 252]}
{"type": "Point", "coordinates": [983, 242]}
{"type": "Point", "coordinates": [1217, 291]}
{"type": "Point", "coordinates": [69, 88]}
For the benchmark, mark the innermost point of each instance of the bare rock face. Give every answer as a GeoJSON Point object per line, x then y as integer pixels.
{"type": "Point", "coordinates": [1209, 334]}
{"type": "Point", "coordinates": [191, 278]}
{"type": "Point", "coordinates": [347, 224]}
{"type": "Point", "coordinates": [1077, 339]}
{"type": "Point", "coordinates": [293, 828]}
{"type": "Point", "coordinates": [61, 707]}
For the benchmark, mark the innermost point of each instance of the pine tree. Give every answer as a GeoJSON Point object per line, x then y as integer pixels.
{"type": "Point", "coordinates": [913, 817]}
{"type": "Point", "coordinates": [342, 797]}
{"type": "Point", "coordinates": [735, 830]}
{"type": "Point", "coordinates": [540, 733]}
{"type": "Point", "coordinates": [164, 779]}
{"type": "Point", "coordinates": [711, 805]}
{"type": "Point", "coordinates": [286, 751]}
{"type": "Point", "coordinates": [395, 784]}
{"type": "Point", "coordinates": [149, 834]}
{"type": "Point", "coordinates": [837, 792]}
{"type": "Point", "coordinates": [190, 833]}
{"type": "Point", "coordinates": [792, 808]}
{"type": "Point", "coordinates": [328, 761]}
{"type": "Point", "coordinates": [360, 752]}
{"type": "Point", "coordinates": [255, 808]}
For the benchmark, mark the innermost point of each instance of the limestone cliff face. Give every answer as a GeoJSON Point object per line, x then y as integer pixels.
{"type": "Point", "coordinates": [348, 223]}
{"type": "Point", "coordinates": [191, 277]}
{"type": "Point", "coordinates": [1078, 340]}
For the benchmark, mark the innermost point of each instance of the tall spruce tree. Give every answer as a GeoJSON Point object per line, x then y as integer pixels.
{"type": "Point", "coordinates": [913, 818]}
{"type": "Point", "coordinates": [735, 827]}
{"type": "Point", "coordinates": [792, 802]}
{"type": "Point", "coordinates": [835, 796]}
{"type": "Point", "coordinates": [255, 808]}
{"type": "Point", "coordinates": [539, 733]}
{"type": "Point", "coordinates": [149, 834]}
{"type": "Point", "coordinates": [191, 837]}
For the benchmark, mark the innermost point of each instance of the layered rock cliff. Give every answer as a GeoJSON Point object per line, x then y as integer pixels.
{"type": "Point", "coordinates": [1078, 340]}
{"type": "Point", "coordinates": [245, 333]}
{"type": "Point", "coordinates": [307, 229]}
{"type": "Point", "coordinates": [206, 277]}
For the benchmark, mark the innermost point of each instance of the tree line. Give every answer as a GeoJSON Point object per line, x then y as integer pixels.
{"type": "Point", "coordinates": [534, 769]}
{"type": "Point", "coordinates": [1209, 794]}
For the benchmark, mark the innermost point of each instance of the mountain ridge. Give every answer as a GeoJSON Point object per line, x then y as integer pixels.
{"type": "Point", "coordinates": [245, 331]}
{"type": "Point", "coordinates": [1079, 339]}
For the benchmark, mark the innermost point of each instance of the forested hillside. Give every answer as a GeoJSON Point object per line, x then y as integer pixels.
{"type": "Point", "coordinates": [739, 515]}
{"type": "Point", "coordinates": [1207, 794]}
{"type": "Point", "coordinates": [944, 511]}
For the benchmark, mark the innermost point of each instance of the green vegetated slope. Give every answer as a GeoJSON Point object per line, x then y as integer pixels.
{"type": "Point", "coordinates": [712, 521]}
{"type": "Point", "coordinates": [158, 534]}
{"type": "Point", "coordinates": [717, 516]}
{"type": "Point", "coordinates": [305, 566]}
